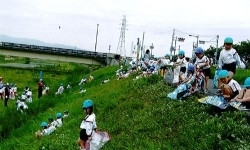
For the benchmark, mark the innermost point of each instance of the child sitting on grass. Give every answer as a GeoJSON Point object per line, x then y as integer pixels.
{"type": "Point", "coordinates": [46, 130]}
{"type": "Point", "coordinates": [229, 88]}
{"type": "Point", "coordinates": [244, 94]}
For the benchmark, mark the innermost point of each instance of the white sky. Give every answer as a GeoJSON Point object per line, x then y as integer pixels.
{"type": "Point", "coordinates": [40, 19]}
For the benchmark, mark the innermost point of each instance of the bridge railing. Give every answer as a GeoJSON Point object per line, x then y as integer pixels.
{"type": "Point", "coordinates": [53, 50]}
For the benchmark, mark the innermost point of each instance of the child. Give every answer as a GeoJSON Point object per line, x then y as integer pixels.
{"type": "Point", "coordinates": [51, 121]}
{"type": "Point", "coordinates": [181, 61]}
{"type": "Point", "coordinates": [29, 96]}
{"type": "Point", "coordinates": [60, 89]}
{"type": "Point", "coordinates": [202, 64]}
{"type": "Point", "coordinates": [88, 124]}
{"type": "Point", "coordinates": [105, 81]}
{"type": "Point", "coordinates": [91, 78]}
{"type": "Point", "coordinates": [69, 86]}
{"type": "Point", "coordinates": [244, 95]}
{"type": "Point", "coordinates": [83, 81]}
{"type": "Point", "coordinates": [82, 90]}
{"type": "Point", "coordinates": [59, 120]}
{"type": "Point", "coordinates": [65, 114]}
{"type": "Point", "coordinates": [45, 90]}
{"type": "Point", "coordinates": [229, 88]}
{"type": "Point", "coordinates": [229, 57]}
{"type": "Point", "coordinates": [21, 106]}
{"type": "Point", "coordinates": [46, 130]}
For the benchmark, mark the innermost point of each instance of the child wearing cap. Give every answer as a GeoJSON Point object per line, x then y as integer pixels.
{"type": "Point", "coordinates": [46, 130]}
{"type": "Point", "coordinates": [244, 95]}
{"type": "Point", "coordinates": [229, 88]}
{"type": "Point", "coordinates": [181, 61]}
{"type": "Point", "coordinates": [202, 64]}
{"type": "Point", "coordinates": [59, 120]}
{"type": "Point", "coordinates": [229, 57]}
{"type": "Point", "coordinates": [88, 124]}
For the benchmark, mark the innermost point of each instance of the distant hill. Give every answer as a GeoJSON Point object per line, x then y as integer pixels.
{"type": "Point", "coordinates": [6, 38]}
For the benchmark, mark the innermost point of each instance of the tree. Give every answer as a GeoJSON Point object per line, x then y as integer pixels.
{"type": "Point", "coordinates": [210, 52]}
{"type": "Point", "coordinates": [243, 50]}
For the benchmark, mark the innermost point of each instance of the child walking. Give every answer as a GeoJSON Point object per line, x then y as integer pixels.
{"type": "Point", "coordinates": [229, 57]}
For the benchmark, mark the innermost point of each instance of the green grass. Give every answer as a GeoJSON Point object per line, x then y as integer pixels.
{"type": "Point", "coordinates": [137, 115]}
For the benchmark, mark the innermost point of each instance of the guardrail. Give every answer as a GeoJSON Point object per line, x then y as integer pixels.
{"type": "Point", "coordinates": [52, 50]}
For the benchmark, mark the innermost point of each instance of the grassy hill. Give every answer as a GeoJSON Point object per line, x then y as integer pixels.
{"type": "Point", "coordinates": [136, 113]}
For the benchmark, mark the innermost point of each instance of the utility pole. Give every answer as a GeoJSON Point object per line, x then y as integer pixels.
{"type": "Point", "coordinates": [142, 45]}
{"type": "Point", "coordinates": [175, 45]}
{"type": "Point", "coordinates": [216, 53]}
{"type": "Point", "coordinates": [96, 36]}
{"type": "Point", "coordinates": [137, 53]}
{"type": "Point", "coordinates": [172, 43]}
{"type": "Point", "coordinates": [109, 48]}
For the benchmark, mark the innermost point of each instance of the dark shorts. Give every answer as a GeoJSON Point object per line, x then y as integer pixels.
{"type": "Point", "coordinates": [230, 67]}
{"type": "Point", "coordinates": [83, 135]}
{"type": "Point", "coordinates": [163, 67]}
{"type": "Point", "coordinates": [183, 69]}
{"type": "Point", "coordinates": [206, 72]}
{"type": "Point", "coordinates": [247, 104]}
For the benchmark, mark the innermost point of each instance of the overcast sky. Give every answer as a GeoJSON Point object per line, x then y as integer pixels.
{"type": "Point", "coordinates": [78, 19]}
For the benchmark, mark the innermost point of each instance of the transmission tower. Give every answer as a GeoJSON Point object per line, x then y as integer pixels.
{"type": "Point", "coordinates": [121, 44]}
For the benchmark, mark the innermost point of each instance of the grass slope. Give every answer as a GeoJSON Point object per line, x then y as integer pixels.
{"type": "Point", "coordinates": [137, 115]}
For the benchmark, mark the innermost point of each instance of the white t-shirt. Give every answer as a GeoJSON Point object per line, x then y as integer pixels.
{"type": "Point", "coordinates": [182, 62]}
{"type": "Point", "coordinates": [48, 131]}
{"type": "Point", "coordinates": [234, 85]}
{"type": "Point", "coordinates": [228, 57]}
{"type": "Point", "coordinates": [202, 61]}
{"type": "Point", "coordinates": [89, 123]}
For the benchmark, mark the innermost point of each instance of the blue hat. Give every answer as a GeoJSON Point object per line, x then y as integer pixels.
{"type": "Point", "coordinates": [247, 83]}
{"type": "Point", "coordinates": [44, 124]}
{"type": "Point", "coordinates": [228, 40]}
{"type": "Point", "coordinates": [58, 115]}
{"type": "Point", "coordinates": [181, 52]}
{"type": "Point", "coordinates": [223, 74]}
{"type": "Point", "coordinates": [190, 67]}
{"type": "Point", "coordinates": [198, 50]}
{"type": "Point", "coordinates": [87, 103]}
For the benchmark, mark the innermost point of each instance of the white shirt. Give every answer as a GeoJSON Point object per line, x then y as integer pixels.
{"type": "Point", "coordinates": [234, 85]}
{"type": "Point", "coordinates": [60, 90]}
{"type": "Point", "coordinates": [202, 61]}
{"type": "Point", "coordinates": [48, 131]}
{"type": "Point", "coordinates": [20, 103]}
{"type": "Point", "coordinates": [89, 123]}
{"type": "Point", "coordinates": [228, 57]}
{"type": "Point", "coordinates": [182, 62]}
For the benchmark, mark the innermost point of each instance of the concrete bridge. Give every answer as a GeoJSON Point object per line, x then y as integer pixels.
{"type": "Point", "coordinates": [59, 54]}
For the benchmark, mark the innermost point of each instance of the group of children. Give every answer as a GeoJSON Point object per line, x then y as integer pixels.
{"type": "Point", "coordinates": [50, 127]}
{"type": "Point", "coordinates": [228, 88]}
